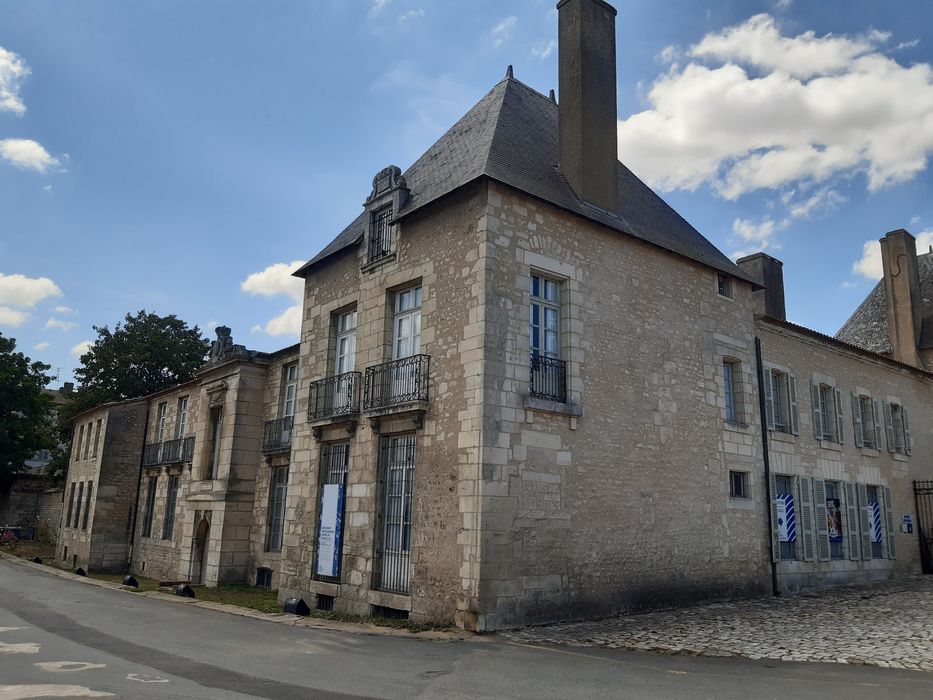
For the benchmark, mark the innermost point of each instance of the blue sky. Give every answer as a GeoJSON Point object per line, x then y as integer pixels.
{"type": "Point", "coordinates": [181, 156]}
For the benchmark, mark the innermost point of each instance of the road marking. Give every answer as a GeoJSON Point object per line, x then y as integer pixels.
{"type": "Point", "coordinates": [11, 629]}
{"type": "Point", "coordinates": [21, 692]}
{"type": "Point", "coordinates": [65, 666]}
{"type": "Point", "coordinates": [145, 678]}
{"type": "Point", "coordinates": [24, 648]}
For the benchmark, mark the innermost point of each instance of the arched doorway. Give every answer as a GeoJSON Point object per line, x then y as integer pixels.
{"type": "Point", "coordinates": [199, 551]}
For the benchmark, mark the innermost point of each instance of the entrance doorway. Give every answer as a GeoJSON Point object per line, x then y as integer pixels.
{"type": "Point", "coordinates": [199, 551]}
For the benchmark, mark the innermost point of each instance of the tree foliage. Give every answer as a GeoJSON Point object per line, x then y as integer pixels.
{"type": "Point", "coordinates": [25, 411]}
{"type": "Point", "coordinates": [141, 355]}
{"type": "Point", "coordinates": [144, 354]}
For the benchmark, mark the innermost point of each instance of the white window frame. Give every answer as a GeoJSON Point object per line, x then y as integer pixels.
{"type": "Point", "coordinates": [725, 285]}
{"type": "Point", "coordinates": [289, 389]}
{"type": "Point", "coordinates": [160, 421]}
{"type": "Point", "coordinates": [546, 305]}
{"type": "Point", "coordinates": [181, 420]}
{"type": "Point", "coordinates": [345, 343]}
{"type": "Point", "coordinates": [407, 304]}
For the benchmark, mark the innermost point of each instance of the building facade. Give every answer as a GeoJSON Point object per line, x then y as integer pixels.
{"type": "Point", "coordinates": [527, 390]}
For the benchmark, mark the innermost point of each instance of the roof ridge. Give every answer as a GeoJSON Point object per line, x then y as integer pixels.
{"type": "Point", "coordinates": [508, 80]}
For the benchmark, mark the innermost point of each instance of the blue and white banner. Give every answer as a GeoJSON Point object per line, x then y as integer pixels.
{"type": "Point", "coordinates": [786, 518]}
{"type": "Point", "coordinates": [329, 533]}
{"type": "Point", "coordinates": [874, 521]}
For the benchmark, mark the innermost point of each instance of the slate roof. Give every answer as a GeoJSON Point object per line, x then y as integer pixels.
{"type": "Point", "coordinates": [511, 135]}
{"type": "Point", "coordinates": [868, 326]}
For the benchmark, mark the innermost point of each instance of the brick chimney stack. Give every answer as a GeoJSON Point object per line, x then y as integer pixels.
{"type": "Point", "coordinates": [587, 108]}
{"type": "Point", "coordinates": [902, 294]}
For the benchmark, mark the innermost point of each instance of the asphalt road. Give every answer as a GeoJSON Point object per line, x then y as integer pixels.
{"type": "Point", "coordinates": [63, 638]}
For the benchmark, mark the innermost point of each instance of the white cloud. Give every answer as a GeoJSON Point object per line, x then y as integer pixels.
{"type": "Point", "coordinates": [19, 290]}
{"type": "Point", "coordinates": [411, 14]}
{"type": "Point", "coordinates": [286, 323]}
{"type": "Point", "coordinates": [81, 348]}
{"type": "Point", "coordinates": [380, 4]}
{"type": "Point", "coordinates": [816, 108]}
{"type": "Point", "coordinates": [58, 323]}
{"type": "Point", "coordinates": [64, 310]}
{"type": "Point", "coordinates": [13, 70]}
{"type": "Point", "coordinates": [28, 155]}
{"type": "Point", "coordinates": [824, 200]}
{"type": "Point", "coordinates": [12, 317]}
{"type": "Point", "coordinates": [503, 31]}
{"type": "Point", "coordinates": [276, 280]}
{"type": "Point", "coordinates": [783, 4]}
{"type": "Point", "coordinates": [906, 45]}
{"type": "Point", "coordinates": [41, 346]}
{"type": "Point", "coordinates": [542, 51]}
{"type": "Point", "coordinates": [669, 54]}
{"type": "Point", "coordinates": [869, 265]}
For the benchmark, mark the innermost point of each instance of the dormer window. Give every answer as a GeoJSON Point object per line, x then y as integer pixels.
{"type": "Point", "coordinates": [380, 242]}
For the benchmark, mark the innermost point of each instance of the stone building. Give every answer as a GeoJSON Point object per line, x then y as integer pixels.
{"type": "Point", "coordinates": [527, 390]}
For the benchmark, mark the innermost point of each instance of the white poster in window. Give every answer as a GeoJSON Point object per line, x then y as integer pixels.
{"type": "Point", "coordinates": [329, 532]}
{"type": "Point", "coordinates": [786, 518]}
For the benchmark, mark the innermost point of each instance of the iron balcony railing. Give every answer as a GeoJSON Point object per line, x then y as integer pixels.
{"type": "Point", "coordinates": [177, 450]}
{"type": "Point", "coordinates": [169, 452]}
{"type": "Point", "coordinates": [335, 396]}
{"type": "Point", "coordinates": [548, 379]}
{"type": "Point", "coordinates": [151, 454]}
{"type": "Point", "coordinates": [396, 382]}
{"type": "Point", "coordinates": [277, 434]}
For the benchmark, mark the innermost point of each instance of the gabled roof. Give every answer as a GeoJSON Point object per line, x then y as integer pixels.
{"type": "Point", "coordinates": [868, 326]}
{"type": "Point", "coordinates": [511, 136]}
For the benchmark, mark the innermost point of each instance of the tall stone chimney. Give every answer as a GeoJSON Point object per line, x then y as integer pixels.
{"type": "Point", "coordinates": [769, 273]}
{"type": "Point", "coordinates": [902, 294]}
{"type": "Point", "coordinates": [587, 109]}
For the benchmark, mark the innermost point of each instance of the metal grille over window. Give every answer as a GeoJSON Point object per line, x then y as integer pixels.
{"type": "Point", "coordinates": [277, 435]}
{"type": "Point", "coordinates": [548, 379]}
{"type": "Point", "coordinates": [276, 515]}
{"type": "Point", "coordinates": [335, 460]}
{"type": "Point", "coordinates": [392, 566]}
{"type": "Point", "coordinates": [168, 526]}
{"type": "Point", "coordinates": [380, 244]}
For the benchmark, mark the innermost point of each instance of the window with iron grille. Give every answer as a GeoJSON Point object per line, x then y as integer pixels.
{"type": "Point", "coordinates": [71, 505]}
{"type": "Point", "coordinates": [78, 505]}
{"type": "Point", "coordinates": [392, 565]}
{"type": "Point", "coordinates": [380, 243]}
{"type": "Point", "coordinates": [724, 285]}
{"type": "Point", "coordinates": [275, 518]}
{"type": "Point", "coordinates": [335, 462]}
{"type": "Point", "coordinates": [87, 505]}
{"type": "Point", "coordinates": [150, 505]}
{"type": "Point", "coordinates": [738, 485]}
{"type": "Point", "coordinates": [171, 498]}
{"type": "Point", "coordinates": [264, 577]}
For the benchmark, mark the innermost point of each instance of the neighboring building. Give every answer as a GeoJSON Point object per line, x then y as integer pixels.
{"type": "Point", "coordinates": [528, 390]}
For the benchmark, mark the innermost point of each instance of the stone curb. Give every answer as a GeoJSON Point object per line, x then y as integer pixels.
{"type": "Point", "coordinates": [280, 618]}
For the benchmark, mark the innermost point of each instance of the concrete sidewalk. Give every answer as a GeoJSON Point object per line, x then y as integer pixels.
{"type": "Point", "coordinates": [888, 625]}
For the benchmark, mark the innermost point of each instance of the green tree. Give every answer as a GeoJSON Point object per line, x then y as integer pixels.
{"type": "Point", "coordinates": [25, 411]}
{"type": "Point", "coordinates": [143, 354]}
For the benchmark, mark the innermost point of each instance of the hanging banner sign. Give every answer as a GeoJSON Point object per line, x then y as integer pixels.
{"type": "Point", "coordinates": [329, 533]}
{"type": "Point", "coordinates": [834, 520]}
{"type": "Point", "coordinates": [874, 521]}
{"type": "Point", "coordinates": [786, 518]}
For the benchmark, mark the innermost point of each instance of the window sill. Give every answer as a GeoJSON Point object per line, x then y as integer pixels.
{"type": "Point", "coordinates": [870, 452]}
{"type": "Point", "coordinates": [830, 445]}
{"type": "Point", "coordinates": [740, 503]}
{"type": "Point", "coordinates": [564, 409]}
{"type": "Point", "coordinates": [736, 426]}
{"type": "Point", "coordinates": [375, 264]}
{"type": "Point", "coordinates": [900, 457]}
{"type": "Point", "coordinates": [781, 436]}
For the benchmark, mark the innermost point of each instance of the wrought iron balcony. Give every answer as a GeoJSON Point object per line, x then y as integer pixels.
{"type": "Point", "coordinates": [177, 450]}
{"type": "Point", "coordinates": [277, 435]}
{"type": "Point", "coordinates": [397, 382]}
{"type": "Point", "coordinates": [152, 454]}
{"type": "Point", "coordinates": [548, 379]}
{"type": "Point", "coordinates": [335, 396]}
{"type": "Point", "coordinates": [187, 450]}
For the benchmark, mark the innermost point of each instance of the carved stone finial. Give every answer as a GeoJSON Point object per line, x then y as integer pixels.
{"type": "Point", "coordinates": [552, 97]}
{"type": "Point", "coordinates": [509, 73]}
{"type": "Point", "coordinates": [386, 180]}
{"type": "Point", "coordinates": [223, 348]}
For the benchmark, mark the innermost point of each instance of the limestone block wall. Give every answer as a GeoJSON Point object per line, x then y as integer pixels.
{"type": "Point", "coordinates": [627, 505]}
{"type": "Point", "coordinates": [441, 251]}
{"type": "Point", "coordinates": [811, 358]}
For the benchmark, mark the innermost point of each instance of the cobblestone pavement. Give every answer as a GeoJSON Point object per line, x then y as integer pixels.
{"type": "Point", "coordinates": [889, 625]}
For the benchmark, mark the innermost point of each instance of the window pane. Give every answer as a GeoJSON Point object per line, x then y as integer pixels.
{"type": "Point", "coordinates": [550, 290]}
{"type": "Point", "coordinates": [535, 286]}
